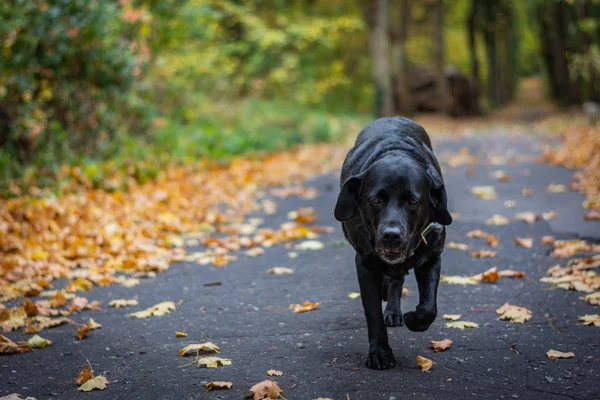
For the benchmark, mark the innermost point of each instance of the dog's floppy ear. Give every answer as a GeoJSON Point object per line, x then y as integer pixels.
{"type": "Point", "coordinates": [345, 208]}
{"type": "Point", "coordinates": [439, 198]}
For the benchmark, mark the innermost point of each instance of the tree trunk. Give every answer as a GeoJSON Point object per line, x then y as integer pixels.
{"type": "Point", "coordinates": [399, 33]}
{"type": "Point", "coordinates": [440, 58]}
{"type": "Point", "coordinates": [379, 48]}
{"type": "Point", "coordinates": [471, 27]}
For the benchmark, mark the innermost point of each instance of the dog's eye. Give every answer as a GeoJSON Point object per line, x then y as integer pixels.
{"type": "Point", "coordinates": [376, 200]}
{"type": "Point", "coordinates": [413, 202]}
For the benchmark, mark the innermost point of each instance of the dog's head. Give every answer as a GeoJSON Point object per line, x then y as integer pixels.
{"type": "Point", "coordinates": [396, 197]}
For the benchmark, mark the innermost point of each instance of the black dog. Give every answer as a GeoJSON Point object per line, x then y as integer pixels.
{"type": "Point", "coordinates": [393, 205]}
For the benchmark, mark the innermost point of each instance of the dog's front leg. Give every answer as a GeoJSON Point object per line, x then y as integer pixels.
{"type": "Point", "coordinates": [370, 280]}
{"type": "Point", "coordinates": [428, 278]}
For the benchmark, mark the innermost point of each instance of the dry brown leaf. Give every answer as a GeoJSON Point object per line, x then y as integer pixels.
{"type": "Point", "coordinates": [424, 363]}
{"type": "Point", "coordinates": [93, 324]}
{"type": "Point", "coordinates": [484, 192]}
{"type": "Point", "coordinates": [304, 307]}
{"type": "Point", "coordinates": [157, 310]}
{"type": "Point", "coordinates": [501, 175]}
{"type": "Point", "coordinates": [556, 188]}
{"type": "Point", "coordinates": [118, 303]}
{"type": "Point", "coordinates": [527, 192]}
{"type": "Point", "coordinates": [85, 375]}
{"type": "Point", "coordinates": [267, 389]}
{"type": "Point", "coordinates": [548, 239]}
{"type": "Point", "coordinates": [590, 319]}
{"type": "Point", "coordinates": [218, 385]}
{"type": "Point", "coordinates": [514, 313]}
{"type": "Point", "coordinates": [524, 242]}
{"type": "Point", "coordinates": [83, 331]}
{"type": "Point", "coordinates": [457, 246]}
{"type": "Point", "coordinates": [274, 372]}
{"type": "Point", "coordinates": [13, 318]}
{"type": "Point", "coordinates": [280, 271]}
{"type": "Point", "coordinates": [493, 240]}
{"type": "Point", "coordinates": [554, 354]}
{"type": "Point", "coordinates": [477, 233]}
{"type": "Point", "coordinates": [255, 251]}
{"type": "Point", "coordinates": [547, 216]}
{"type": "Point", "coordinates": [58, 300]}
{"type": "Point", "coordinates": [96, 383]}
{"type": "Point", "coordinates": [451, 317]}
{"type": "Point", "coordinates": [489, 276]}
{"type": "Point", "coordinates": [213, 362]}
{"type": "Point", "coordinates": [39, 323]}
{"type": "Point", "coordinates": [441, 345]}
{"type": "Point", "coordinates": [7, 346]}
{"type": "Point", "coordinates": [483, 254]}
{"type": "Point", "coordinates": [593, 215]}
{"type": "Point", "coordinates": [458, 280]}
{"type": "Point", "coordinates": [461, 324]}
{"type": "Point", "coordinates": [568, 248]}
{"type": "Point", "coordinates": [527, 216]}
{"type": "Point", "coordinates": [592, 298]}
{"type": "Point", "coordinates": [199, 348]}
{"type": "Point", "coordinates": [509, 273]}
{"type": "Point", "coordinates": [497, 220]}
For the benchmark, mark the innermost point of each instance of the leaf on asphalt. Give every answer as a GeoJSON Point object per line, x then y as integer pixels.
{"type": "Point", "coordinates": [424, 363]}
{"type": "Point", "coordinates": [180, 334]}
{"type": "Point", "coordinates": [592, 298]}
{"type": "Point", "coordinates": [38, 342]}
{"type": "Point", "coordinates": [310, 245]}
{"type": "Point", "coordinates": [510, 204]}
{"type": "Point", "coordinates": [451, 317]}
{"type": "Point", "coordinates": [590, 319]}
{"type": "Point", "coordinates": [218, 385]}
{"type": "Point", "coordinates": [118, 303]}
{"type": "Point", "coordinates": [556, 188]}
{"type": "Point", "coordinates": [39, 323]}
{"type": "Point", "coordinates": [489, 276]}
{"type": "Point", "coordinates": [274, 372]}
{"type": "Point", "coordinates": [85, 375]}
{"type": "Point", "coordinates": [493, 240]}
{"type": "Point", "coordinates": [16, 396]}
{"type": "Point", "coordinates": [461, 325]}
{"type": "Point", "coordinates": [514, 313]}
{"type": "Point", "coordinates": [477, 233]}
{"type": "Point", "coordinates": [255, 251]}
{"type": "Point", "coordinates": [280, 271]}
{"type": "Point", "coordinates": [568, 248]}
{"type": "Point", "coordinates": [83, 331]}
{"type": "Point", "coordinates": [157, 310]}
{"type": "Point", "coordinates": [509, 273]}
{"type": "Point", "coordinates": [441, 345]}
{"type": "Point", "coordinates": [497, 220]}
{"type": "Point", "coordinates": [96, 383]}
{"type": "Point", "coordinates": [527, 216]}
{"type": "Point", "coordinates": [524, 242]}
{"type": "Point", "coordinates": [548, 239]}
{"type": "Point", "coordinates": [267, 389]}
{"type": "Point", "coordinates": [7, 346]}
{"type": "Point", "coordinates": [593, 215]}
{"type": "Point", "coordinates": [304, 307]}
{"type": "Point", "coordinates": [547, 216]}
{"type": "Point", "coordinates": [457, 246]}
{"type": "Point", "coordinates": [353, 295]}
{"type": "Point", "coordinates": [93, 324]}
{"type": "Point", "coordinates": [12, 318]}
{"type": "Point", "coordinates": [58, 300]}
{"type": "Point", "coordinates": [458, 280]}
{"type": "Point", "coordinates": [483, 254]}
{"type": "Point", "coordinates": [501, 175]}
{"type": "Point", "coordinates": [303, 215]}
{"type": "Point", "coordinates": [79, 285]}
{"type": "Point", "coordinates": [213, 362]}
{"type": "Point", "coordinates": [554, 354]}
{"type": "Point", "coordinates": [484, 192]}
{"type": "Point", "coordinates": [527, 192]}
{"type": "Point", "coordinates": [292, 254]}
{"type": "Point", "coordinates": [200, 348]}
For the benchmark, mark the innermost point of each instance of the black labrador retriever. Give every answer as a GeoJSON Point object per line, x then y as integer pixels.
{"type": "Point", "coordinates": [393, 208]}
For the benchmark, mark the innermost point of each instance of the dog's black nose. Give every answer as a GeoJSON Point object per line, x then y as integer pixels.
{"type": "Point", "coordinates": [391, 236]}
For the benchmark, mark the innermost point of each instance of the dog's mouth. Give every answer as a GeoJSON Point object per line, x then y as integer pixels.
{"type": "Point", "coordinates": [392, 255]}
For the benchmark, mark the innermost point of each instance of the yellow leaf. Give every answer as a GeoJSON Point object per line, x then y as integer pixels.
{"type": "Point", "coordinates": [424, 363]}
{"type": "Point", "coordinates": [310, 245]}
{"type": "Point", "coordinates": [497, 220]}
{"type": "Point", "coordinates": [528, 216]}
{"type": "Point", "coordinates": [38, 342]}
{"type": "Point", "coordinates": [195, 349]}
{"type": "Point", "coordinates": [118, 303]}
{"type": "Point", "coordinates": [97, 383]}
{"type": "Point", "coordinates": [304, 307]}
{"type": "Point", "coordinates": [458, 280]}
{"type": "Point", "coordinates": [180, 334]}
{"type": "Point", "coordinates": [39, 323]}
{"type": "Point", "coordinates": [265, 390]}
{"type": "Point", "coordinates": [213, 362]}
{"type": "Point", "coordinates": [556, 188]}
{"type": "Point", "coordinates": [353, 295]}
{"type": "Point", "coordinates": [157, 310]}
{"type": "Point", "coordinates": [590, 319]}
{"type": "Point", "coordinates": [484, 192]}
{"type": "Point", "coordinates": [93, 324]}
{"type": "Point", "coordinates": [457, 246]}
{"type": "Point", "coordinates": [514, 313]}
{"type": "Point", "coordinates": [462, 325]}
{"type": "Point", "coordinates": [441, 345]}
{"type": "Point", "coordinates": [553, 354]}
{"type": "Point", "coordinates": [280, 271]}
{"type": "Point", "coordinates": [483, 254]}
{"type": "Point", "coordinates": [451, 317]}
{"type": "Point", "coordinates": [274, 372]}
{"type": "Point", "coordinates": [12, 318]}
{"type": "Point", "coordinates": [218, 385]}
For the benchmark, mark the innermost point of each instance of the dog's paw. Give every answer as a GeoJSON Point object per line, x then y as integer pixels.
{"type": "Point", "coordinates": [392, 319]}
{"type": "Point", "coordinates": [419, 321]}
{"type": "Point", "coordinates": [381, 359]}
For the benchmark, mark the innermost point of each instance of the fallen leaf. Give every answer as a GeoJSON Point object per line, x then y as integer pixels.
{"type": "Point", "coordinates": [489, 276]}
{"type": "Point", "coordinates": [353, 295]}
{"type": "Point", "coordinates": [547, 216]}
{"type": "Point", "coordinates": [39, 323]}
{"type": "Point", "coordinates": [12, 318]}
{"type": "Point", "coordinates": [292, 254]}
{"type": "Point", "coordinates": [527, 216]}
{"type": "Point", "coordinates": [304, 215]}
{"type": "Point", "coordinates": [458, 280]}
{"type": "Point", "coordinates": [497, 220]}
{"type": "Point", "coordinates": [477, 233]}
{"type": "Point", "coordinates": [85, 375]}
{"type": "Point", "coordinates": [280, 271]}
{"type": "Point", "coordinates": [510, 204]}
{"type": "Point", "coordinates": [255, 251]}
{"type": "Point", "coordinates": [157, 310]}
{"type": "Point", "coordinates": [514, 313]}
{"type": "Point", "coordinates": [527, 192]}
{"type": "Point", "coordinates": [484, 192]}
{"type": "Point", "coordinates": [7, 346]}
{"type": "Point", "coordinates": [556, 188]}
{"type": "Point", "coordinates": [493, 240]}
{"type": "Point", "coordinates": [424, 363]}
{"type": "Point", "coordinates": [97, 383]}
{"type": "Point", "coordinates": [593, 215]}
{"type": "Point", "coordinates": [548, 239]}
{"type": "Point", "coordinates": [441, 345]}
{"type": "Point", "coordinates": [274, 372]}
{"type": "Point", "coordinates": [265, 390]}
{"type": "Point", "coordinates": [118, 303]}
{"type": "Point", "coordinates": [38, 342]}
{"type": "Point", "coordinates": [83, 332]}
{"type": "Point", "coordinates": [461, 325]}
{"type": "Point", "coordinates": [304, 307]}
{"type": "Point", "coordinates": [524, 242]}
{"type": "Point", "coordinates": [457, 246]}
{"type": "Point", "coordinates": [16, 396]}
{"type": "Point", "coordinates": [590, 319]}
{"type": "Point", "coordinates": [58, 300]}
{"type": "Point", "coordinates": [554, 354]}
{"type": "Point", "coordinates": [180, 334]}
{"type": "Point", "coordinates": [592, 298]}
{"type": "Point", "coordinates": [451, 317]}
{"type": "Point", "coordinates": [310, 245]}
{"type": "Point", "coordinates": [213, 362]}
{"type": "Point", "coordinates": [93, 324]}
{"type": "Point", "coordinates": [568, 248]}
{"type": "Point", "coordinates": [483, 254]}
{"type": "Point", "coordinates": [509, 273]}
{"type": "Point", "coordinates": [218, 385]}
{"type": "Point", "coordinates": [501, 175]}
{"type": "Point", "coordinates": [200, 348]}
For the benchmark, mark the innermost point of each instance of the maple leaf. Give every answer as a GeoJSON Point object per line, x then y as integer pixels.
{"type": "Point", "coordinates": [353, 295]}
{"type": "Point", "coordinates": [484, 192]}
{"type": "Point", "coordinates": [200, 348]}
{"type": "Point", "coordinates": [514, 313]}
{"type": "Point", "coordinates": [483, 254]}
{"type": "Point", "coordinates": [85, 375]}
{"type": "Point", "coordinates": [96, 383]}
{"type": "Point", "coordinates": [524, 242]}
{"type": "Point", "coordinates": [274, 372]}
{"type": "Point", "coordinates": [265, 390]}
{"type": "Point", "coordinates": [554, 354]}
{"type": "Point", "coordinates": [424, 363]}
{"type": "Point", "coordinates": [458, 280]}
{"type": "Point", "coordinates": [441, 345]}
{"type": "Point", "coordinates": [157, 310]}
{"type": "Point", "coordinates": [213, 362]}
{"type": "Point", "coordinates": [489, 276]}
{"type": "Point", "coordinates": [310, 245]}
{"type": "Point", "coordinates": [118, 303]}
{"type": "Point", "coordinates": [590, 319]}
{"type": "Point", "coordinates": [497, 220]}
{"type": "Point", "coordinates": [304, 307]}
{"type": "Point", "coordinates": [38, 342]}
{"type": "Point", "coordinates": [461, 325]}
{"type": "Point", "coordinates": [451, 317]}
{"type": "Point", "coordinates": [457, 246]}
{"type": "Point", "coordinates": [217, 385]}
{"type": "Point", "coordinates": [7, 346]}
{"type": "Point", "coordinates": [280, 271]}
{"type": "Point", "coordinates": [180, 334]}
